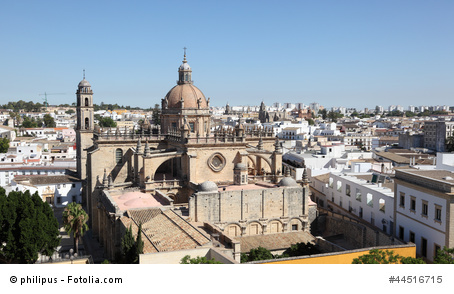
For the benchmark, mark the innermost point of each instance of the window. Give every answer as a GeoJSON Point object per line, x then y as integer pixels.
{"type": "Point", "coordinates": [358, 194]}
{"type": "Point", "coordinates": [331, 182]}
{"type": "Point", "coordinates": [382, 204]}
{"type": "Point", "coordinates": [438, 213]}
{"type": "Point", "coordinates": [118, 155]}
{"type": "Point", "coordinates": [401, 232]}
{"type": "Point", "coordinates": [402, 200]}
{"type": "Point", "coordinates": [339, 186]}
{"type": "Point", "coordinates": [412, 203]}
{"type": "Point", "coordinates": [191, 125]}
{"type": "Point", "coordinates": [58, 200]}
{"type": "Point", "coordinates": [425, 208]}
{"type": "Point", "coordinates": [294, 227]}
{"type": "Point", "coordinates": [74, 198]}
{"type": "Point", "coordinates": [370, 200]}
{"type": "Point", "coordinates": [347, 190]}
{"type": "Point", "coordinates": [423, 247]}
{"type": "Point", "coordinates": [412, 237]}
{"type": "Point", "coordinates": [436, 248]}
{"type": "Point", "coordinates": [74, 185]}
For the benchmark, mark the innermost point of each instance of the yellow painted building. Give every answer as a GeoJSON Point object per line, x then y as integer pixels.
{"type": "Point", "coordinates": [345, 257]}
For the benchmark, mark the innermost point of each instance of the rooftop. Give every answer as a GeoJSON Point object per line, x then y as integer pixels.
{"type": "Point", "coordinates": [163, 230]}
{"type": "Point", "coordinates": [134, 199]}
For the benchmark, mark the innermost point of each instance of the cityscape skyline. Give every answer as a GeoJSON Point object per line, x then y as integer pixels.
{"type": "Point", "coordinates": [350, 54]}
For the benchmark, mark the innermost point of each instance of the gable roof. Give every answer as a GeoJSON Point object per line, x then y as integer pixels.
{"type": "Point", "coordinates": [164, 230]}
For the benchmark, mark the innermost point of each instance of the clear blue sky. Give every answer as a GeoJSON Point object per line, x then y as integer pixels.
{"type": "Point", "coordinates": [337, 53]}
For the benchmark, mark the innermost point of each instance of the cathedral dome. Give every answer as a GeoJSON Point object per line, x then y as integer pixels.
{"type": "Point", "coordinates": [84, 83]}
{"type": "Point", "coordinates": [190, 95]}
{"type": "Point", "coordinates": [208, 186]}
{"type": "Point", "coordinates": [288, 181]}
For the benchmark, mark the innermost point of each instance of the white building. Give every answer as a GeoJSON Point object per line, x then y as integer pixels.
{"type": "Point", "coordinates": [424, 206]}
{"type": "Point", "coordinates": [9, 171]}
{"type": "Point", "coordinates": [367, 196]}
{"type": "Point", "coordinates": [58, 191]}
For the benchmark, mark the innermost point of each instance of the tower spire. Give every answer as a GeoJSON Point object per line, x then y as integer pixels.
{"type": "Point", "coordinates": [84, 73]}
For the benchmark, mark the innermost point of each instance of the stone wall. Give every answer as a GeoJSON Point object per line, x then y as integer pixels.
{"type": "Point", "coordinates": [358, 235]}
{"type": "Point", "coordinates": [253, 211]}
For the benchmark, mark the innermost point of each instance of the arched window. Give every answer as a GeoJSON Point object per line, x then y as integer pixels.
{"type": "Point", "coordinates": [87, 123]}
{"type": "Point", "coordinates": [86, 102]}
{"type": "Point", "coordinates": [118, 155]}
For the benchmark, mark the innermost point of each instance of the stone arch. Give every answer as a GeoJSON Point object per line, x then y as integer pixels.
{"type": "Point", "coordinates": [251, 169]}
{"type": "Point", "coordinates": [170, 167]}
{"type": "Point", "coordinates": [295, 221]}
{"type": "Point", "coordinates": [233, 229]}
{"type": "Point", "coordinates": [254, 228]}
{"type": "Point", "coordinates": [255, 165]}
{"type": "Point", "coordinates": [275, 226]}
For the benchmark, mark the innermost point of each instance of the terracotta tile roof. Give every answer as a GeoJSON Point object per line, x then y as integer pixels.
{"type": "Point", "coordinates": [164, 230]}
{"type": "Point", "coordinates": [273, 241]}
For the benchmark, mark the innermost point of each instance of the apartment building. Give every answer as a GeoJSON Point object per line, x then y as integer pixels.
{"type": "Point", "coordinates": [366, 196]}
{"type": "Point", "coordinates": [424, 206]}
{"type": "Point", "coordinates": [435, 134]}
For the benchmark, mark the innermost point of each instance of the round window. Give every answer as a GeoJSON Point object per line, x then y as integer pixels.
{"type": "Point", "coordinates": [216, 162]}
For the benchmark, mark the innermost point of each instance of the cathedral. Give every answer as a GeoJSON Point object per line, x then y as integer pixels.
{"type": "Point", "coordinates": [169, 165]}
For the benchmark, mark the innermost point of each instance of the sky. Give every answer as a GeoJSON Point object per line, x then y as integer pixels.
{"type": "Point", "coordinates": [337, 53]}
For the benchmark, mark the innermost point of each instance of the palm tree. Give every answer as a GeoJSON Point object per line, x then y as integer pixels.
{"type": "Point", "coordinates": [75, 222]}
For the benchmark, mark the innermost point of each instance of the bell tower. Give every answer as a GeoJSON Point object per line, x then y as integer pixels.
{"type": "Point", "coordinates": [85, 125]}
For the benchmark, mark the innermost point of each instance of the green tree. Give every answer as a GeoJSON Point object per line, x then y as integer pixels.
{"type": "Point", "coordinates": [300, 249]}
{"type": "Point", "coordinates": [139, 244]}
{"type": "Point", "coordinates": [377, 256]}
{"type": "Point", "coordinates": [256, 254]}
{"type": "Point", "coordinates": [75, 222]}
{"type": "Point", "coordinates": [49, 121]}
{"type": "Point", "coordinates": [29, 122]}
{"type": "Point", "coordinates": [198, 260]}
{"type": "Point", "coordinates": [107, 122]}
{"type": "Point", "coordinates": [445, 256]}
{"type": "Point", "coordinates": [323, 113]}
{"type": "Point", "coordinates": [334, 116]}
{"type": "Point", "coordinates": [4, 145]}
{"type": "Point", "coordinates": [28, 227]}
{"type": "Point", "coordinates": [128, 251]}
{"type": "Point", "coordinates": [70, 111]}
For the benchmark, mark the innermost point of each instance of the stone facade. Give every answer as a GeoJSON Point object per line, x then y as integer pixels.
{"type": "Point", "coordinates": [253, 209]}
{"type": "Point", "coordinates": [173, 159]}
